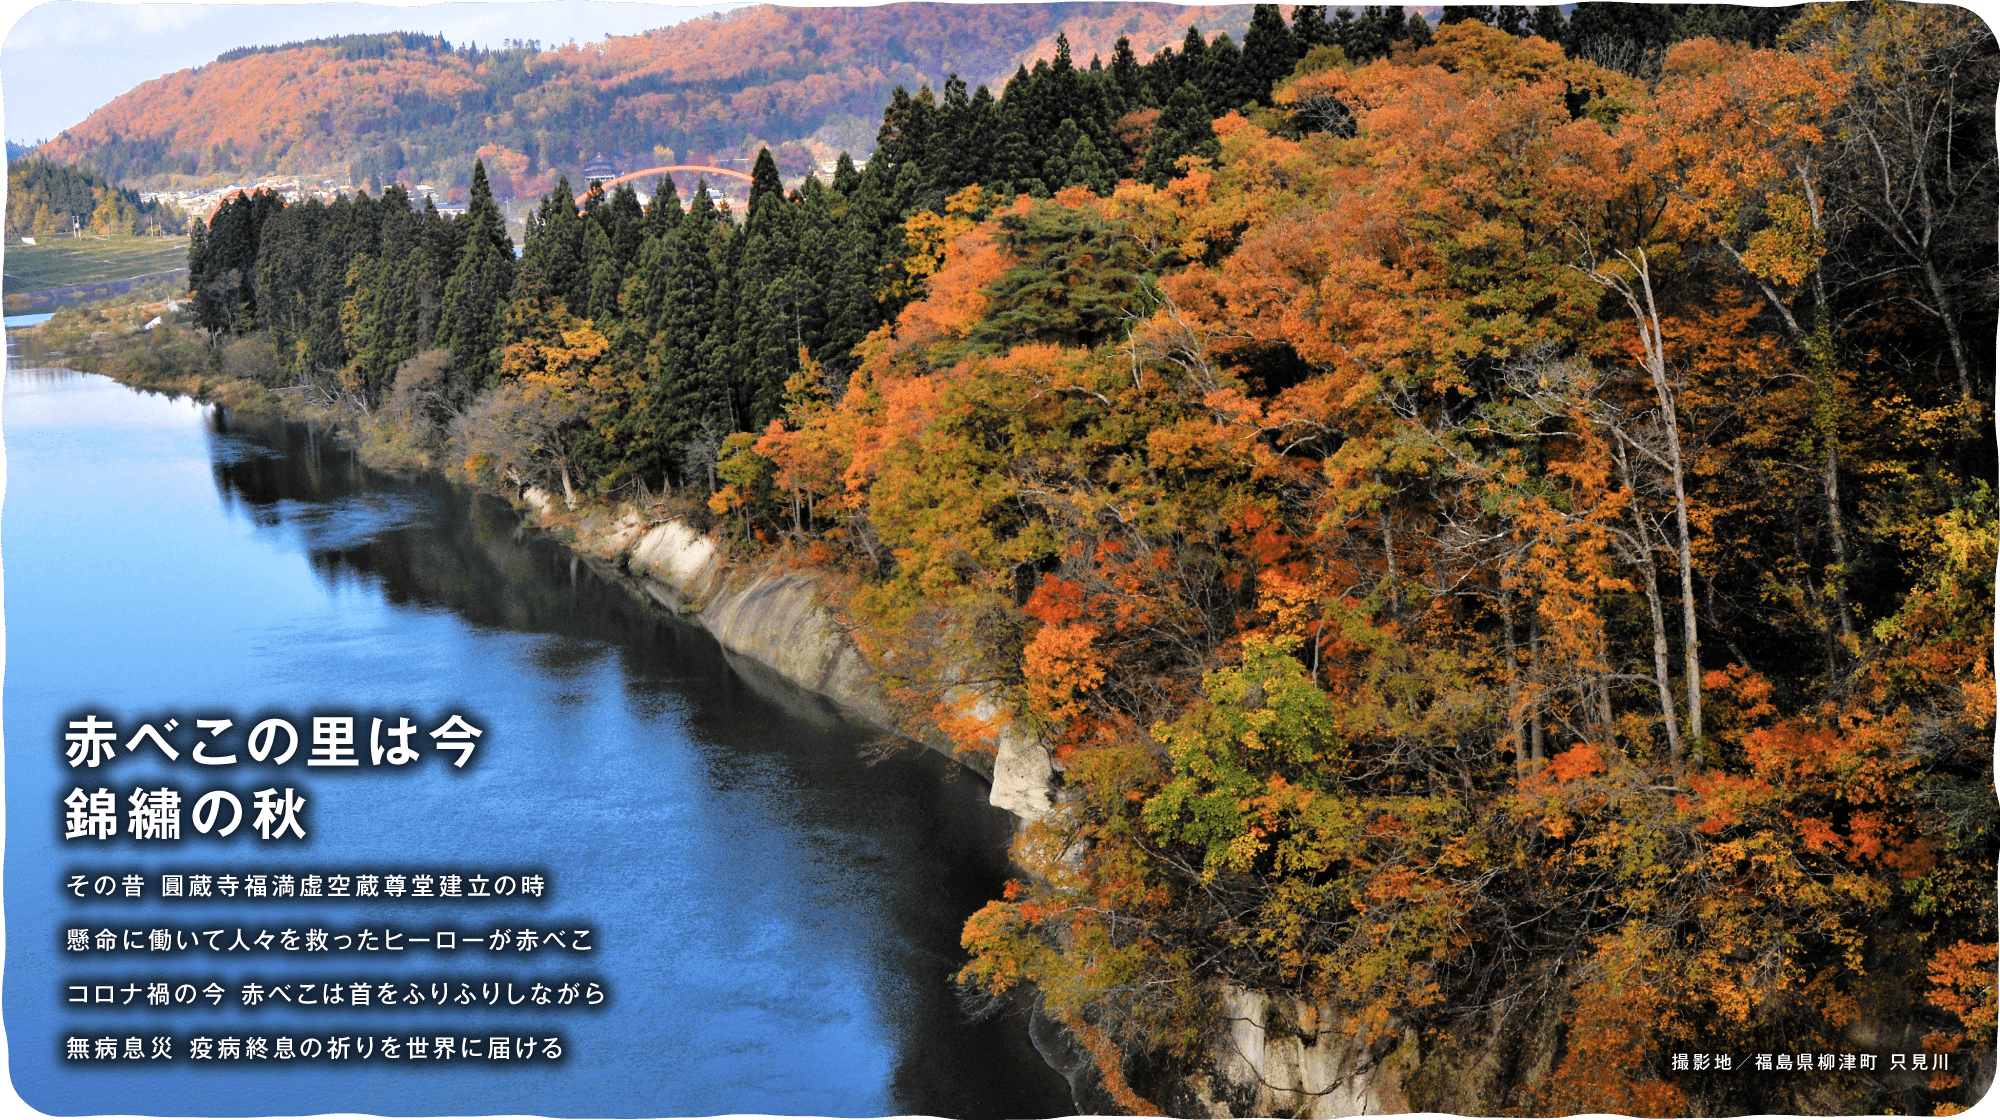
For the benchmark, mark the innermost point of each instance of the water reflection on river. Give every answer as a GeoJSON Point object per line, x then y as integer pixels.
{"type": "Point", "coordinates": [776, 922]}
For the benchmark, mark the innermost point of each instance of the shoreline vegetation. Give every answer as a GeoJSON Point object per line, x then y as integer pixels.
{"type": "Point", "coordinates": [1491, 527]}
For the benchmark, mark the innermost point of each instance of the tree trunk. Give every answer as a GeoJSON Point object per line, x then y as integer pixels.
{"type": "Point", "coordinates": [1389, 556]}
{"type": "Point", "coordinates": [1960, 355]}
{"type": "Point", "coordinates": [1535, 751]}
{"type": "Point", "coordinates": [1515, 715]}
{"type": "Point", "coordinates": [1818, 348]}
{"type": "Point", "coordinates": [1604, 713]}
{"type": "Point", "coordinates": [1650, 581]}
{"type": "Point", "coordinates": [1656, 364]}
{"type": "Point", "coordinates": [1839, 541]}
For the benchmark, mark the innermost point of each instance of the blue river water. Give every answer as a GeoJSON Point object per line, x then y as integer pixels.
{"type": "Point", "coordinates": [773, 919]}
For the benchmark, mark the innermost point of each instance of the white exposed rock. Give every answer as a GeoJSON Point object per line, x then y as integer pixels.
{"type": "Point", "coordinates": [777, 620]}
{"type": "Point", "coordinates": [613, 535]}
{"type": "Point", "coordinates": [1314, 1066]}
{"type": "Point", "coordinates": [539, 500]}
{"type": "Point", "coordinates": [1023, 775]}
{"type": "Point", "coordinates": [675, 554]}
{"type": "Point", "coordinates": [1023, 772]}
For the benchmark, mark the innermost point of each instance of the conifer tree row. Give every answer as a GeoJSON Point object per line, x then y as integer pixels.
{"type": "Point", "coordinates": [700, 316]}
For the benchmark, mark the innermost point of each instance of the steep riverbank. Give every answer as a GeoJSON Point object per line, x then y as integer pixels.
{"type": "Point", "coordinates": [769, 618]}
{"type": "Point", "coordinates": [776, 615]}
{"type": "Point", "coordinates": [781, 919]}
{"type": "Point", "coordinates": [1269, 1057]}
{"type": "Point", "coordinates": [774, 618]}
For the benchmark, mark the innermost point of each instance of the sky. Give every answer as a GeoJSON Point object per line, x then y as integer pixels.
{"type": "Point", "coordinates": [63, 58]}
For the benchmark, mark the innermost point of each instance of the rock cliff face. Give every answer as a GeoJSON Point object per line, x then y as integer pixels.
{"type": "Point", "coordinates": [772, 617]}
{"type": "Point", "coordinates": [1278, 1058]}
{"type": "Point", "coordinates": [1268, 1059]}
{"type": "Point", "coordinates": [775, 617]}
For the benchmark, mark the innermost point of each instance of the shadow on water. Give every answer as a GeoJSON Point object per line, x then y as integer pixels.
{"type": "Point", "coordinates": [913, 833]}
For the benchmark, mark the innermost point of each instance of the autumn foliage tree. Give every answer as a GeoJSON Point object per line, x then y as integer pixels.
{"type": "Point", "coordinates": [1496, 543]}
{"type": "Point", "coordinates": [1496, 552]}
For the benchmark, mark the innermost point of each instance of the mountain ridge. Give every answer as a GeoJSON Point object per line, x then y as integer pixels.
{"type": "Point", "coordinates": [806, 82]}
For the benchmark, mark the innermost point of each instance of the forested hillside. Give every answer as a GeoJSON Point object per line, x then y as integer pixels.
{"type": "Point", "coordinates": [806, 82]}
{"type": "Point", "coordinates": [1496, 533]}
{"type": "Point", "coordinates": [46, 198]}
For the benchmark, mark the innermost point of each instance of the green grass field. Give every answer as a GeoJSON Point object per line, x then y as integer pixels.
{"type": "Point", "coordinates": [62, 261]}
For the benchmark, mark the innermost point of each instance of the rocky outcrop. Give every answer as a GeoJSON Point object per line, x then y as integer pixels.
{"type": "Point", "coordinates": [679, 560]}
{"type": "Point", "coordinates": [773, 617]}
{"type": "Point", "coordinates": [1280, 1058]}
{"type": "Point", "coordinates": [1270, 1057]}
{"type": "Point", "coordinates": [1023, 772]}
{"type": "Point", "coordinates": [777, 620]}
{"type": "Point", "coordinates": [776, 617]}
{"type": "Point", "coordinates": [1064, 1054]}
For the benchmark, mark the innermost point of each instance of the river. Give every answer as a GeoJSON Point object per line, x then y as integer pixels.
{"type": "Point", "coordinates": [775, 920]}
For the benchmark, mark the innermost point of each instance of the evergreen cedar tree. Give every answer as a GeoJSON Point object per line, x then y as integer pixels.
{"type": "Point", "coordinates": [1533, 600]}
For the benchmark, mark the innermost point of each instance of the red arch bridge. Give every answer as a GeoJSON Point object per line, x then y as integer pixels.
{"type": "Point", "coordinates": [607, 185]}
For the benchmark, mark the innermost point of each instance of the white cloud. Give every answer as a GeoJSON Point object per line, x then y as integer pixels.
{"type": "Point", "coordinates": [66, 23]}
{"type": "Point", "coordinates": [161, 17]}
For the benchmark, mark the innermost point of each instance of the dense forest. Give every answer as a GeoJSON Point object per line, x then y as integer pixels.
{"type": "Point", "coordinates": [410, 108]}
{"type": "Point", "coordinates": [45, 198]}
{"type": "Point", "coordinates": [1495, 522]}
